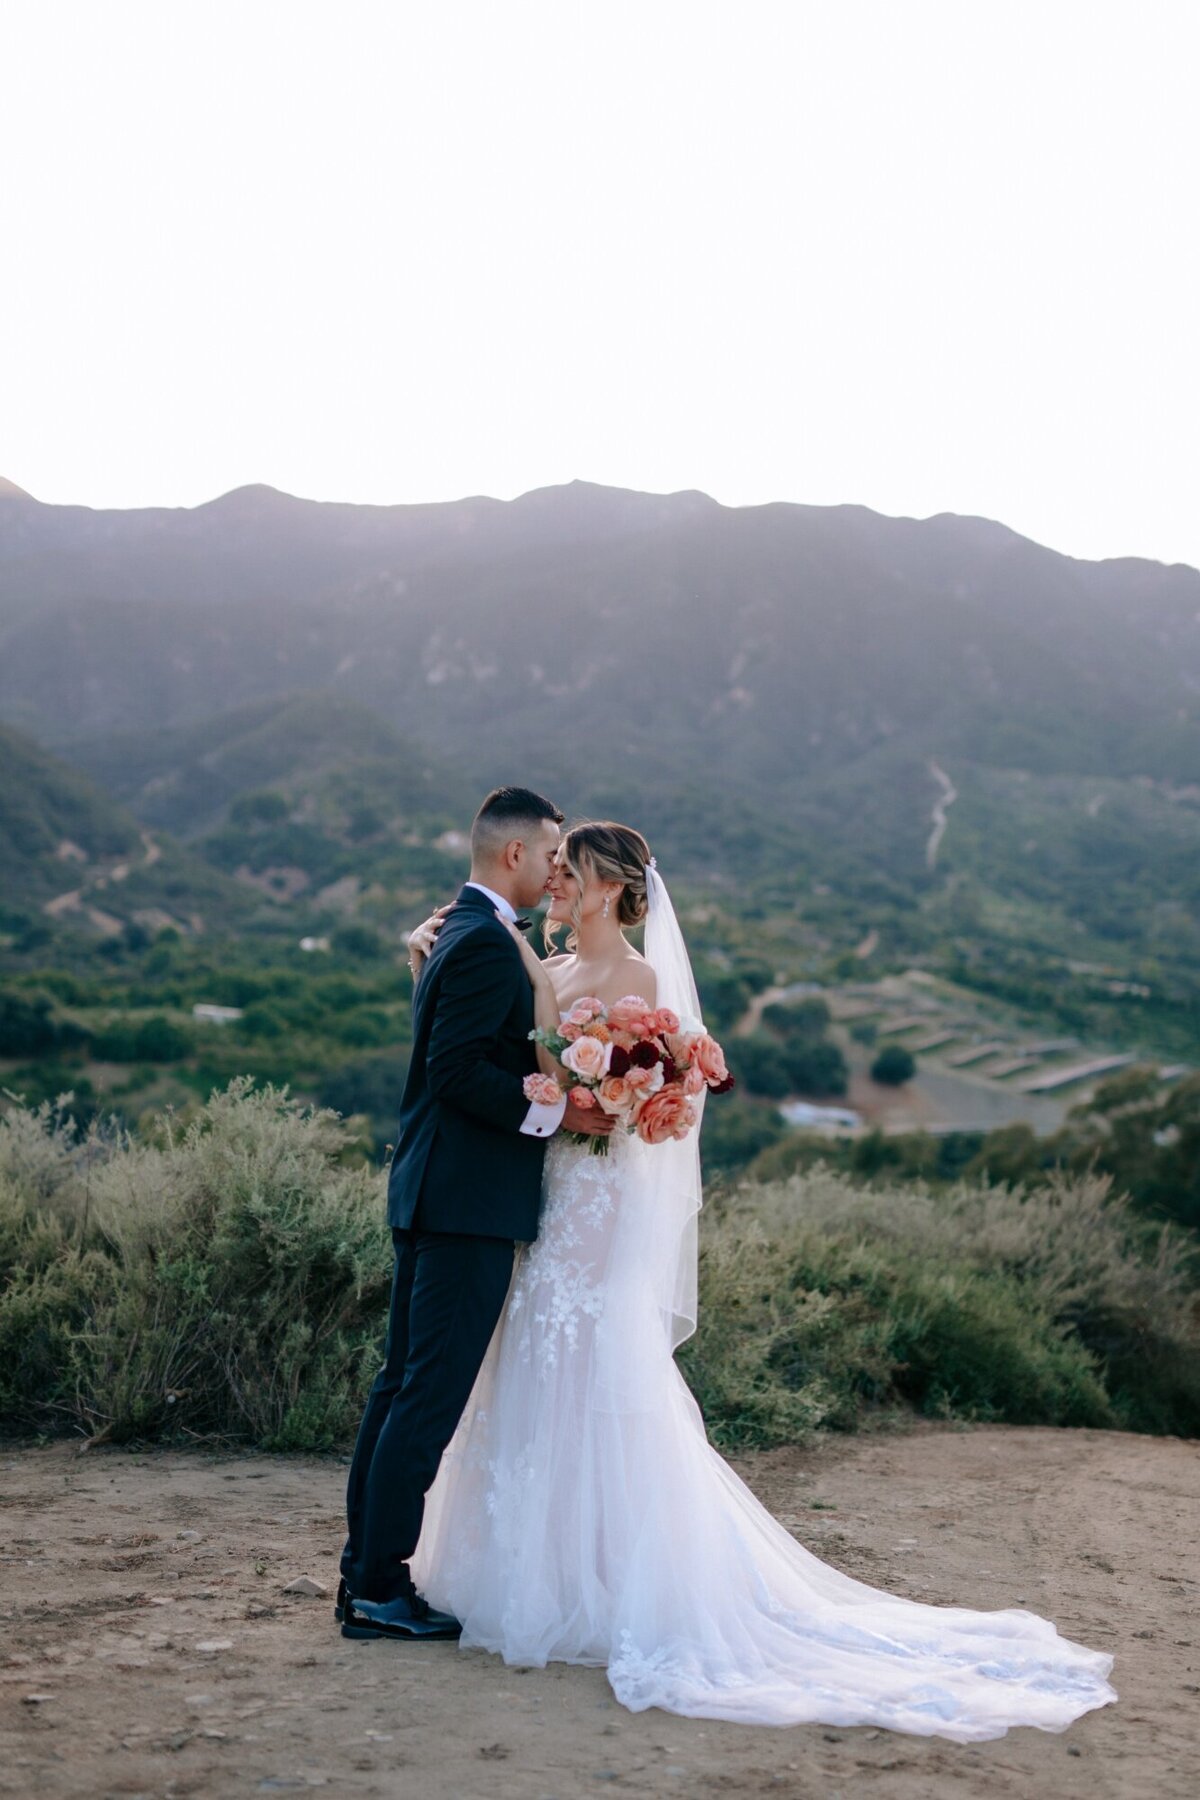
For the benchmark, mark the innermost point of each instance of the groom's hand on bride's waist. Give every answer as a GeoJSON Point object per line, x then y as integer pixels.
{"type": "Point", "coordinates": [590, 1122]}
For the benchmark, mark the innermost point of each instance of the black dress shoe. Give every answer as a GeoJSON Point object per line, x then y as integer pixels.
{"type": "Point", "coordinates": [408, 1618]}
{"type": "Point", "coordinates": [339, 1605]}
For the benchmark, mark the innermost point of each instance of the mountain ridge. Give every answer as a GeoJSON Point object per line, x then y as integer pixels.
{"type": "Point", "coordinates": [263, 494]}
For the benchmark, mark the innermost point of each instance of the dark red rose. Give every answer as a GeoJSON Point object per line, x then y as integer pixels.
{"type": "Point", "coordinates": [725, 1087]}
{"type": "Point", "coordinates": [644, 1056]}
{"type": "Point", "coordinates": [670, 1071]}
{"type": "Point", "coordinates": [620, 1062]}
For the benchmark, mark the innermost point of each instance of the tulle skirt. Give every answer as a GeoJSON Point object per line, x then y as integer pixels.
{"type": "Point", "coordinates": [580, 1515]}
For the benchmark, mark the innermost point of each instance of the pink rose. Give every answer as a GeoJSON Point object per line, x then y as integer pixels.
{"type": "Point", "coordinates": [542, 1090]}
{"type": "Point", "coordinates": [582, 1097]}
{"type": "Point", "coordinates": [709, 1058]}
{"type": "Point", "coordinates": [693, 1081]}
{"type": "Point", "coordinates": [586, 1009]}
{"type": "Point", "coordinates": [667, 1114]}
{"type": "Point", "coordinates": [587, 1057]}
{"type": "Point", "coordinates": [666, 1021]}
{"type": "Point", "coordinates": [615, 1094]}
{"type": "Point", "coordinates": [570, 1030]}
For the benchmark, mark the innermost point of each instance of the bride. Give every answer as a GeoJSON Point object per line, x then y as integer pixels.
{"type": "Point", "coordinates": [580, 1514]}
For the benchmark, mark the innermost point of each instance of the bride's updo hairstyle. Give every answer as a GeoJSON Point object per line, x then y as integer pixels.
{"type": "Point", "coordinates": [606, 852]}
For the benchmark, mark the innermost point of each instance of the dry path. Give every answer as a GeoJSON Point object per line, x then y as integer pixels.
{"type": "Point", "coordinates": [148, 1647]}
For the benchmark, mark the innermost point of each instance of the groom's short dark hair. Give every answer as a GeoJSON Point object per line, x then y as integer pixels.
{"type": "Point", "coordinates": [507, 813]}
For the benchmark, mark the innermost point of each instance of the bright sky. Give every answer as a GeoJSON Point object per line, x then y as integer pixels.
{"type": "Point", "coordinates": [927, 255]}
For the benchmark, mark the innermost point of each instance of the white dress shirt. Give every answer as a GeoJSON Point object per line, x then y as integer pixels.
{"type": "Point", "coordinates": [540, 1121]}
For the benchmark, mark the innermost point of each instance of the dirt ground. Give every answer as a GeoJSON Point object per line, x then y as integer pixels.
{"type": "Point", "coordinates": [147, 1646]}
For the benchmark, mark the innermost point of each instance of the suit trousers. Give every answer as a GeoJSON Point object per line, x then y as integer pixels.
{"type": "Point", "coordinates": [448, 1292]}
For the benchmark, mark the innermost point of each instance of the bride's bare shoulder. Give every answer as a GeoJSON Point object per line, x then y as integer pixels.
{"type": "Point", "coordinates": [643, 973]}
{"type": "Point", "coordinates": [556, 967]}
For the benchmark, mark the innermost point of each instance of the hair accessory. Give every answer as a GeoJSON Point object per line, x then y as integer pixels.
{"type": "Point", "coordinates": [653, 863]}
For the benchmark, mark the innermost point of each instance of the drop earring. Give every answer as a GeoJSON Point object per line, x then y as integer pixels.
{"type": "Point", "coordinates": [607, 904]}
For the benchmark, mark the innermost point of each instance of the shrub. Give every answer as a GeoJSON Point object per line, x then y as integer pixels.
{"type": "Point", "coordinates": [820, 1300]}
{"type": "Point", "coordinates": [227, 1281]}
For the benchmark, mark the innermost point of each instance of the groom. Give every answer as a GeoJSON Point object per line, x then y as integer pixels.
{"type": "Point", "coordinates": [465, 1183]}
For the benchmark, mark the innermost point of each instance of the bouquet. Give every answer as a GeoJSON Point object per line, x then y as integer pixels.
{"type": "Point", "coordinates": [636, 1063]}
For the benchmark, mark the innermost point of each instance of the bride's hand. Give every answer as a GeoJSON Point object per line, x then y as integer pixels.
{"type": "Point", "coordinates": [422, 940]}
{"type": "Point", "coordinates": [534, 967]}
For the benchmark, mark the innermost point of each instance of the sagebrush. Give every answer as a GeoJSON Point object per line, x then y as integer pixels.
{"type": "Point", "coordinates": [822, 1301]}
{"type": "Point", "coordinates": [227, 1280]}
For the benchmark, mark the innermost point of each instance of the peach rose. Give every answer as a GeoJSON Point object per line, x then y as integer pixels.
{"type": "Point", "coordinates": [666, 1021]}
{"type": "Point", "coordinates": [667, 1114]}
{"type": "Point", "coordinates": [630, 1011]}
{"type": "Point", "coordinates": [615, 1094]}
{"type": "Point", "coordinates": [693, 1081]}
{"type": "Point", "coordinates": [586, 1058]}
{"type": "Point", "coordinates": [543, 1090]}
{"type": "Point", "coordinates": [645, 1082]}
{"type": "Point", "coordinates": [583, 1098]}
{"type": "Point", "coordinates": [709, 1058]}
{"type": "Point", "coordinates": [570, 1030]}
{"type": "Point", "coordinates": [584, 1009]}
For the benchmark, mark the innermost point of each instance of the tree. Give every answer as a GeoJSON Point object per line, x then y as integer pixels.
{"type": "Point", "coordinates": [894, 1066]}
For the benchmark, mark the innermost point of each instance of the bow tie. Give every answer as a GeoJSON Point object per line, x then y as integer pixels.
{"type": "Point", "coordinates": [523, 924]}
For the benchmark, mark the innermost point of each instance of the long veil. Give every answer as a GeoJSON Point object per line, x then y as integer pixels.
{"type": "Point", "coordinates": [651, 1273]}
{"type": "Point", "coordinates": [674, 1167]}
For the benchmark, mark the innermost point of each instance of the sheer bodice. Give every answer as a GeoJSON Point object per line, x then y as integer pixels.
{"type": "Point", "coordinates": [580, 1514]}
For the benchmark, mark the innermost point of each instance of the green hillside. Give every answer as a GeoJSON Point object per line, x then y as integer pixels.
{"type": "Point", "coordinates": [858, 745]}
{"type": "Point", "coordinates": [52, 819]}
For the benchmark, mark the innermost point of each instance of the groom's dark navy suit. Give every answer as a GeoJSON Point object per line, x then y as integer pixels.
{"type": "Point", "coordinates": [465, 1182]}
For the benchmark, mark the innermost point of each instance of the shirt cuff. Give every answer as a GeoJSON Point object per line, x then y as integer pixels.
{"type": "Point", "coordinates": [544, 1121]}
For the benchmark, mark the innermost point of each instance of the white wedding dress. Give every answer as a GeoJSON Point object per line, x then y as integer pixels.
{"type": "Point", "coordinates": [581, 1515]}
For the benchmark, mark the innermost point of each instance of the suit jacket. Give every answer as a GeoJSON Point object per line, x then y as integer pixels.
{"type": "Point", "coordinates": [462, 1163]}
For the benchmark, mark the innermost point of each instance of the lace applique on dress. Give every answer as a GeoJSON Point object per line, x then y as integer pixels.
{"type": "Point", "coordinates": [559, 1283]}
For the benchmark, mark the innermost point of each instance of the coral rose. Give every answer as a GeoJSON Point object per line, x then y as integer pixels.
{"type": "Point", "coordinates": [666, 1021]}
{"type": "Point", "coordinates": [583, 1098]}
{"type": "Point", "coordinates": [585, 1009]}
{"type": "Point", "coordinates": [570, 1030]}
{"type": "Point", "coordinates": [667, 1114]}
{"type": "Point", "coordinates": [709, 1058]}
{"type": "Point", "coordinates": [693, 1081]}
{"type": "Point", "coordinates": [587, 1058]}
